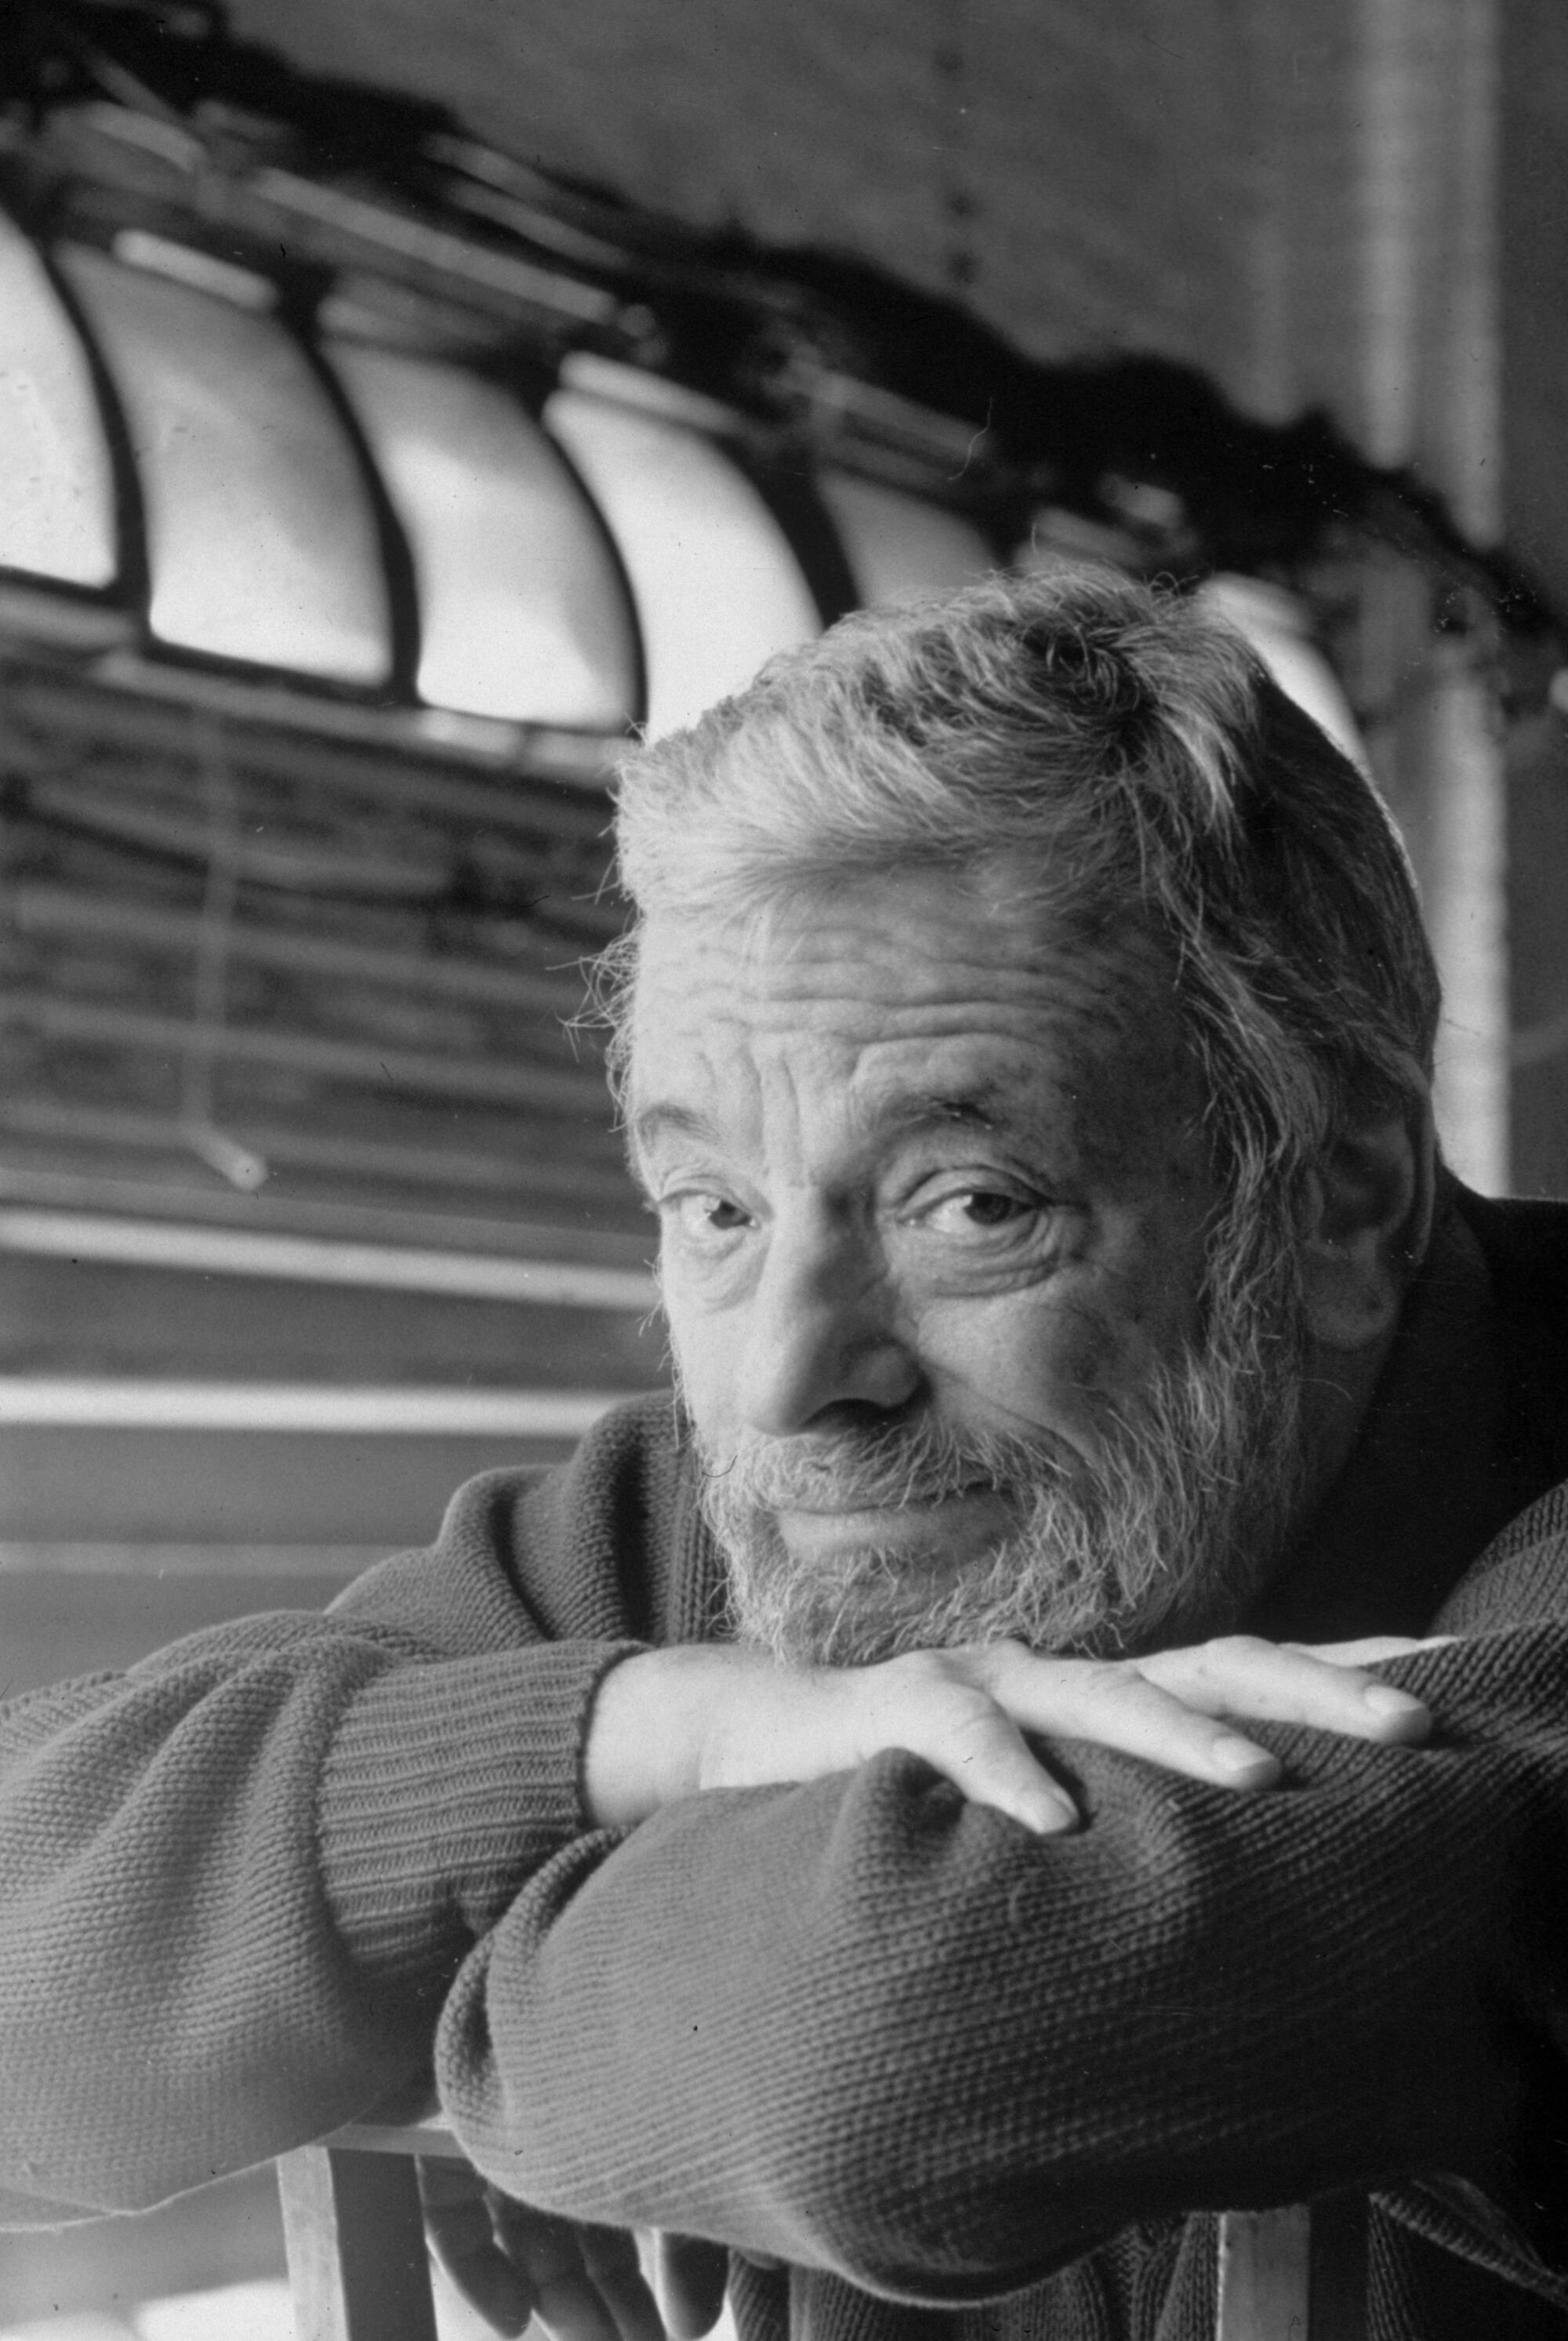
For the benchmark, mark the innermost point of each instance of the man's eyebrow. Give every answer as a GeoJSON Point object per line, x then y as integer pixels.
{"type": "Point", "coordinates": [664, 1119]}
{"type": "Point", "coordinates": [984, 1107]}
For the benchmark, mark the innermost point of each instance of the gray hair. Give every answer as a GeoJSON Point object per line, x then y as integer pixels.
{"type": "Point", "coordinates": [1110, 751]}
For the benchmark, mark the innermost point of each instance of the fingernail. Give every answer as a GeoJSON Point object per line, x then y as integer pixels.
{"type": "Point", "coordinates": [1397, 1706]}
{"type": "Point", "coordinates": [1240, 1755]}
{"type": "Point", "coordinates": [1383, 1700]}
{"type": "Point", "coordinates": [1051, 1815]}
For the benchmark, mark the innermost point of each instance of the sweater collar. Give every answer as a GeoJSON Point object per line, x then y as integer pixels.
{"type": "Point", "coordinates": [1432, 1477]}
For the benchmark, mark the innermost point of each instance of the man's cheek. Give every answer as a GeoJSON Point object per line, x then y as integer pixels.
{"type": "Point", "coordinates": [1038, 1363]}
{"type": "Point", "coordinates": [704, 1356]}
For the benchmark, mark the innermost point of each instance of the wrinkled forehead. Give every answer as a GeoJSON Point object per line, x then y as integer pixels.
{"type": "Point", "coordinates": [905, 987]}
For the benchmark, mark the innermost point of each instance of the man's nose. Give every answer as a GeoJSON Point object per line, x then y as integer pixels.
{"type": "Point", "coordinates": [823, 1334]}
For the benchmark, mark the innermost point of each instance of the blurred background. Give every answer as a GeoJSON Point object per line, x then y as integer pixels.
{"type": "Point", "coordinates": [399, 404]}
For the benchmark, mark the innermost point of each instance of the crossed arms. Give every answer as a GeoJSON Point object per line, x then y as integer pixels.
{"type": "Point", "coordinates": [863, 2023]}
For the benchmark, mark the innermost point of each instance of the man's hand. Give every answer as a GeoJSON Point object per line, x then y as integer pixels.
{"type": "Point", "coordinates": [669, 1723]}
{"type": "Point", "coordinates": [583, 2283]}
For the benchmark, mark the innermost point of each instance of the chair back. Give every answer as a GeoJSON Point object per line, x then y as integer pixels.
{"type": "Point", "coordinates": [359, 2271]}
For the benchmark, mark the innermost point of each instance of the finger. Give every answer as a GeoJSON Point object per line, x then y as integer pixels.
{"type": "Point", "coordinates": [1372, 1650]}
{"type": "Point", "coordinates": [923, 1703]}
{"type": "Point", "coordinates": [610, 2259]}
{"type": "Point", "coordinates": [547, 2254]}
{"type": "Point", "coordinates": [691, 2278]}
{"type": "Point", "coordinates": [1117, 1705]}
{"type": "Point", "coordinates": [1243, 1678]}
{"type": "Point", "coordinates": [457, 2222]}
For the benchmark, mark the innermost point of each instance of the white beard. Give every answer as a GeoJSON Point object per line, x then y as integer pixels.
{"type": "Point", "coordinates": [1161, 1537]}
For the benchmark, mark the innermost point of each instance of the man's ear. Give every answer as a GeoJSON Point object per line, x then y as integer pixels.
{"type": "Point", "coordinates": [1367, 1217]}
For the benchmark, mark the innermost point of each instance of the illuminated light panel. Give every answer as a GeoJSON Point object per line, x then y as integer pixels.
{"type": "Point", "coordinates": [1275, 623]}
{"type": "Point", "coordinates": [717, 586]}
{"type": "Point", "coordinates": [56, 487]}
{"type": "Point", "coordinates": [522, 612]}
{"type": "Point", "coordinates": [898, 546]}
{"type": "Point", "coordinates": [261, 543]}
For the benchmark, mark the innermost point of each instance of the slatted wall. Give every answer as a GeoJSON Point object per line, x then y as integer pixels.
{"type": "Point", "coordinates": [310, 1199]}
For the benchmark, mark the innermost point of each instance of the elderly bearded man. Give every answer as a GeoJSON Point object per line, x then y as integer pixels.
{"type": "Point", "coordinates": [1025, 1043]}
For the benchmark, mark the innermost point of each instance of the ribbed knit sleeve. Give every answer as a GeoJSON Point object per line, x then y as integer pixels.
{"type": "Point", "coordinates": [874, 2030]}
{"type": "Point", "coordinates": [443, 1786]}
{"type": "Point", "coordinates": [238, 1880]}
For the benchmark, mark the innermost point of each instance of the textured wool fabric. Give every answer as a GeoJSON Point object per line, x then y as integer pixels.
{"type": "Point", "coordinates": [953, 2079]}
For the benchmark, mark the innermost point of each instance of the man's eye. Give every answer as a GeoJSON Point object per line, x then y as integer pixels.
{"type": "Point", "coordinates": [978, 1210]}
{"type": "Point", "coordinates": [701, 1216]}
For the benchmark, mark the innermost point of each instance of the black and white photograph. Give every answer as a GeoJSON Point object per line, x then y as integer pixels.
{"type": "Point", "coordinates": [784, 1170]}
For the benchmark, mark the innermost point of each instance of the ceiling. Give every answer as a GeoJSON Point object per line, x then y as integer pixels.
{"type": "Point", "coordinates": [1296, 198]}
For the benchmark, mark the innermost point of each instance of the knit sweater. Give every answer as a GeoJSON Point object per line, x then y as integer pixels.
{"type": "Point", "coordinates": [920, 2069]}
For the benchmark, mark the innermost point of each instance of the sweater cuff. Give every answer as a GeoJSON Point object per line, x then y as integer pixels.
{"type": "Point", "coordinates": [447, 1784]}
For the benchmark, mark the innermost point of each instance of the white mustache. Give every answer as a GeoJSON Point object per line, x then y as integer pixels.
{"type": "Point", "coordinates": [882, 1472]}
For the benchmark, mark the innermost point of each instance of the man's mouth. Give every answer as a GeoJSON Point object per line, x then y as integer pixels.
{"type": "Point", "coordinates": [951, 1528]}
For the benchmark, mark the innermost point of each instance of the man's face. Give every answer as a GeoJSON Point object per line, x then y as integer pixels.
{"type": "Point", "coordinates": [933, 1197]}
